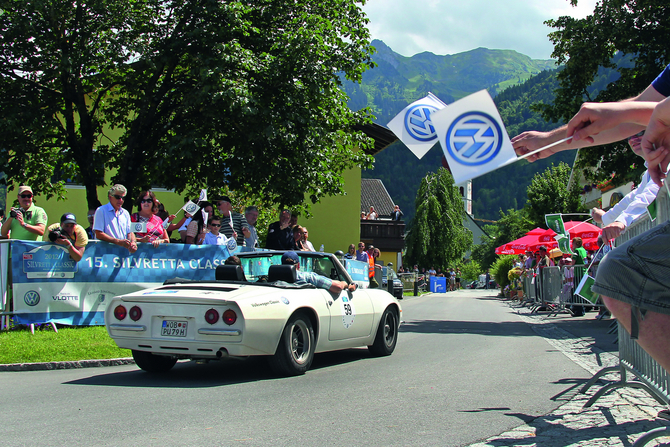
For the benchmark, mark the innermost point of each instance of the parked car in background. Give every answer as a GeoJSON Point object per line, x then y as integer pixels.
{"type": "Point", "coordinates": [397, 283]}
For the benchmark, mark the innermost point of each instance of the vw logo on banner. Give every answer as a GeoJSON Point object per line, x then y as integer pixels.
{"type": "Point", "coordinates": [474, 139]}
{"type": "Point", "coordinates": [418, 123]}
{"type": "Point", "coordinates": [31, 298]}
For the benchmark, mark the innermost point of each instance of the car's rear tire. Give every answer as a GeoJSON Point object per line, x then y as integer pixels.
{"type": "Point", "coordinates": [387, 334]}
{"type": "Point", "coordinates": [153, 363]}
{"type": "Point", "coordinates": [296, 347]}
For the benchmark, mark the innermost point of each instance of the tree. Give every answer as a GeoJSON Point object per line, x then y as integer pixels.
{"type": "Point", "coordinates": [629, 36]}
{"type": "Point", "coordinates": [548, 194]}
{"type": "Point", "coordinates": [509, 227]}
{"type": "Point", "coordinates": [438, 237]}
{"type": "Point", "coordinates": [232, 94]}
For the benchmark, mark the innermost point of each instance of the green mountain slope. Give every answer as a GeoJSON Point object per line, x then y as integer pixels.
{"type": "Point", "coordinates": [399, 80]}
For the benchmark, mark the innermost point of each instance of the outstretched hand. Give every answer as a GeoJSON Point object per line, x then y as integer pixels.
{"type": "Point", "coordinates": [656, 142]}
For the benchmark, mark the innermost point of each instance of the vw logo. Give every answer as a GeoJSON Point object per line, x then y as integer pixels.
{"type": "Point", "coordinates": [31, 298]}
{"type": "Point", "coordinates": [474, 139]}
{"type": "Point", "coordinates": [418, 123]}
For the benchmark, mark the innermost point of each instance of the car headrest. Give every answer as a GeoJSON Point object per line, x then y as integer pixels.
{"type": "Point", "coordinates": [286, 273]}
{"type": "Point", "coordinates": [230, 273]}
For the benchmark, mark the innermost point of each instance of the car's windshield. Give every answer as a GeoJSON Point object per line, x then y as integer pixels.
{"type": "Point", "coordinates": [256, 267]}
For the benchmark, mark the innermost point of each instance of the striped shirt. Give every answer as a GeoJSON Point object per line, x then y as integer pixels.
{"type": "Point", "coordinates": [239, 222]}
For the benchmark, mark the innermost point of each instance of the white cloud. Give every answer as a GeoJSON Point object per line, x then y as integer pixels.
{"type": "Point", "coordinates": [448, 27]}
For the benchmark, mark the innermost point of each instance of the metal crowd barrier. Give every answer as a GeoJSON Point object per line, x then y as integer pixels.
{"type": "Point", "coordinates": [649, 375]}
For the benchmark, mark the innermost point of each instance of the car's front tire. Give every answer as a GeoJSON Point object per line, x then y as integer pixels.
{"type": "Point", "coordinates": [387, 334]}
{"type": "Point", "coordinates": [153, 363]}
{"type": "Point", "coordinates": [296, 347]}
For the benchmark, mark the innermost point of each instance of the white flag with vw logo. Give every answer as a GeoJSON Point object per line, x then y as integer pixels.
{"type": "Point", "coordinates": [414, 127]}
{"type": "Point", "coordinates": [473, 137]}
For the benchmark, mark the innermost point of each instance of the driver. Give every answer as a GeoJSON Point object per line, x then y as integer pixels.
{"type": "Point", "coordinates": [334, 286]}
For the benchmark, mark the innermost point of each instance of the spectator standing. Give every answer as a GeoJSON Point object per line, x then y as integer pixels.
{"type": "Point", "coordinates": [196, 231]}
{"type": "Point", "coordinates": [27, 222]}
{"type": "Point", "coordinates": [280, 235]}
{"type": "Point", "coordinates": [363, 215]}
{"type": "Point", "coordinates": [580, 252]}
{"type": "Point", "coordinates": [69, 233]}
{"type": "Point", "coordinates": [251, 215]}
{"type": "Point", "coordinates": [232, 224]}
{"type": "Point", "coordinates": [361, 254]}
{"type": "Point", "coordinates": [298, 244]}
{"type": "Point", "coordinates": [372, 214]}
{"type": "Point", "coordinates": [308, 245]}
{"type": "Point", "coordinates": [431, 271]}
{"type": "Point", "coordinates": [147, 213]}
{"type": "Point", "coordinates": [396, 214]}
{"type": "Point", "coordinates": [90, 216]}
{"type": "Point", "coordinates": [351, 253]}
{"type": "Point", "coordinates": [112, 221]}
{"type": "Point", "coordinates": [488, 278]}
{"type": "Point", "coordinates": [294, 220]}
{"type": "Point", "coordinates": [214, 236]}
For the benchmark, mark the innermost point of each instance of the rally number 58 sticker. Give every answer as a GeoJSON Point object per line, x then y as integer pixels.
{"type": "Point", "coordinates": [348, 312]}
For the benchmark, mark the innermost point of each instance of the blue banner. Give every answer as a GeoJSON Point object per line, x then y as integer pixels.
{"type": "Point", "coordinates": [358, 270]}
{"type": "Point", "coordinates": [49, 286]}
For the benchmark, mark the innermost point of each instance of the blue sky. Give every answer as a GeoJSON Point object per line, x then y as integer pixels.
{"type": "Point", "coordinates": [453, 26]}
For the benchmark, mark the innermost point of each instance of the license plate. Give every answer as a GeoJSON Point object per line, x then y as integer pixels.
{"type": "Point", "coordinates": [172, 328]}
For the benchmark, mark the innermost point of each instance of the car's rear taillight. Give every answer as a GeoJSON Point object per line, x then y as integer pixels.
{"type": "Point", "coordinates": [120, 312]}
{"type": "Point", "coordinates": [211, 316]}
{"type": "Point", "coordinates": [229, 317]}
{"type": "Point", "coordinates": [135, 313]}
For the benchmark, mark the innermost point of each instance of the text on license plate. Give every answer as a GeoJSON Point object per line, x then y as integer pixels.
{"type": "Point", "coordinates": [172, 328]}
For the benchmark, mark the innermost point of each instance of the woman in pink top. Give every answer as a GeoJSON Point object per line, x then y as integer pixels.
{"type": "Point", "coordinates": [147, 206]}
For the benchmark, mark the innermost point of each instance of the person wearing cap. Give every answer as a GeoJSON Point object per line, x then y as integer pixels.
{"type": "Point", "coordinates": [27, 222]}
{"type": "Point", "coordinates": [112, 222]}
{"type": "Point", "coordinates": [71, 234]}
{"type": "Point", "coordinates": [232, 224]}
{"type": "Point", "coordinates": [333, 286]}
{"type": "Point", "coordinates": [280, 235]}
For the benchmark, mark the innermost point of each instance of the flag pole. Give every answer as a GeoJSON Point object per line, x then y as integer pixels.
{"type": "Point", "coordinates": [543, 148]}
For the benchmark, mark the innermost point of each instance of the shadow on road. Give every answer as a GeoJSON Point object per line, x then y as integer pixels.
{"type": "Point", "coordinates": [506, 328]}
{"type": "Point", "coordinates": [189, 374]}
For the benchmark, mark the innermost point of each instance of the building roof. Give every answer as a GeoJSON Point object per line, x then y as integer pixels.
{"type": "Point", "coordinates": [374, 193]}
{"type": "Point", "coordinates": [382, 135]}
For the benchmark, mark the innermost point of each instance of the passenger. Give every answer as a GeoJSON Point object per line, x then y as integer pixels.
{"type": "Point", "coordinates": [71, 234]}
{"type": "Point", "coordinates": [147, 213]}
{"type": "Point", "coordinates": [334, 286]}
{"type": "Point", "coordinates": [232, 260]}
{"type": "Point", "coordinates": [112, 221]}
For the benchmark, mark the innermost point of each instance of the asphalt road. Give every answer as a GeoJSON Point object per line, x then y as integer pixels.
{"type": "Point", "coordinates": [465, 368]}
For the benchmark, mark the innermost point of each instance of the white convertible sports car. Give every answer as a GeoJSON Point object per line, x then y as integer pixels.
{"type": "Point", "coordinates": [255, 309]}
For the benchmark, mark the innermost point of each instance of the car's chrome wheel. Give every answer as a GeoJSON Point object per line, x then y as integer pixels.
{"type": "Point", "coordinates": [295, 351]}
{"type": "Point", "coordinates": [387, 334]}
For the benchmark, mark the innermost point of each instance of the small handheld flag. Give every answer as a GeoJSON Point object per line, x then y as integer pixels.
{"type": "Point", "coordinates": [414, 127]}
{"type": "Point", "coordinates": [473, 137]}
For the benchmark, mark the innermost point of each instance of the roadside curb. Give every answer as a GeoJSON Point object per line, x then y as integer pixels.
{"type": "Point", "coordinates": [46, 366]}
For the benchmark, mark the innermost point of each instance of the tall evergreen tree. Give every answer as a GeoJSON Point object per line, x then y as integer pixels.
{"type": "Point", "coordinates": [438, 237]}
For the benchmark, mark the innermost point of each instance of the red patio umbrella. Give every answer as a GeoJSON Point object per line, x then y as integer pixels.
{"type": "Point", "coordinates": [587, 231]}
{"type": "Point", "coordinates": [530, 242]}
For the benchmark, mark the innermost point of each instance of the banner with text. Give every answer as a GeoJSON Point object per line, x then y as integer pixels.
{"type": "Point", "coordinates": [49, 286]}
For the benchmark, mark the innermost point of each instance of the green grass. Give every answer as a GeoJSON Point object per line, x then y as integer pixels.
{"type": "Point", "coordinates": [69, 344]}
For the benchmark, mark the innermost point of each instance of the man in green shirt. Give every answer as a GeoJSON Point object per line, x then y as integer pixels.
{"type": "Point", "coordinates": [27, 222]}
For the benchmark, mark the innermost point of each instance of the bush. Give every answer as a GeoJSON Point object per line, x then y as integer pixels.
{"type": "Point", "coordinates": [470, 271]}
{"type": "Point", "coordinates": [501, 267]}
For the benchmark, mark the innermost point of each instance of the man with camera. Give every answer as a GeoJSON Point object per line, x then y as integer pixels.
{"type": "Point", "coordinates": [28, 221]}
{"type": "Point", "coordinates": [70, 234]}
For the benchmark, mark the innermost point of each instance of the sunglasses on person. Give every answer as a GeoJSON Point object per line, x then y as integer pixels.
{"type": "Point", "coordinates": [214, 225]}
{"type": "Point", "coordinates": [118, 197]}
{"type": "Point", "coordinates": [146, 200]}
{"type": "Point", "coordinates": [25, 196]}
